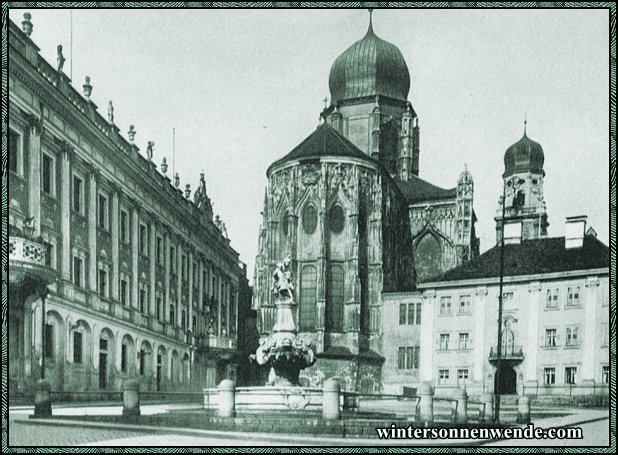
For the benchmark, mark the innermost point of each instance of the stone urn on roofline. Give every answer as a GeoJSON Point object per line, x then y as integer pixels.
{"type": "Point", "coordinates": [283, 351]}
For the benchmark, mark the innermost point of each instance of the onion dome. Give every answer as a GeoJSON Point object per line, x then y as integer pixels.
{"type": "Point", "coordinates": [525, 155]}
{"type": "Point", "coordinates": [369, 67]}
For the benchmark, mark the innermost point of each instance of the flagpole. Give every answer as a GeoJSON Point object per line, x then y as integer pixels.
{"type": "Point", "coordinates": [71, 44]}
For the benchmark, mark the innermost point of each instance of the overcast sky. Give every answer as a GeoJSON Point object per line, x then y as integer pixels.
{"type": "Point", "coordinates": [243, 87]}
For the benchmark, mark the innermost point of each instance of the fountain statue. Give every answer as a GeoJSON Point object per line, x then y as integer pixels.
{"type": "Point", "coordinates": [283, 351]}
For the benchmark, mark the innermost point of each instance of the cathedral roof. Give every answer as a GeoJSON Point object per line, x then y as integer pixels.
{"type": "Point", "coordinates": [369, 67]}
{"type": "Point", "coordinates": [418, 190]}
{"type": "Point", "coordinates": [525, 155]}
{"type": "Point", "coordinates": [531, 257]}
{"type": "Point", "coordinates": [324, 141]}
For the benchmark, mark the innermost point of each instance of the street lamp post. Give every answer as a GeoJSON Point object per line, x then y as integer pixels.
{"type": "Point", "coordinates": [499, 347]}
{"type": "Point", "coordinates": [42, 291]}
{"type": "Point", "coordinates": [514, 182]}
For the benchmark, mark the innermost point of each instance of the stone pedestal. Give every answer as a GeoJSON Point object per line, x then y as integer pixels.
{"type": "Point", "coordinates": [486, 410]}
{"type": "Point", "coordinates": [523, 410]}
{"type": "Point", "coordinates": [330, 400]}
{"type": "Point", "coordinates": [42, 399]}
{"type": "Point", "coordinates": [460, 403]}
{"type": "Point", "coordinates": [130, 398]}
{"type": "Point", "coordinates": [425, 393]}
{"type": "Point", "coordinates": [227, 399]}
{"type": "Point", "coordinates": [285, 317]}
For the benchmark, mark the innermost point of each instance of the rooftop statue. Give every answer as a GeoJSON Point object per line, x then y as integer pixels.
{"type": "Point", "coordinates": [60, 58]}
{"type": "Point", "coordinates": [149, 150]}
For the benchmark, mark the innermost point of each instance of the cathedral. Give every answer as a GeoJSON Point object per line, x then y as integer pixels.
{"type": "Point", "coordinates": [347, 204]}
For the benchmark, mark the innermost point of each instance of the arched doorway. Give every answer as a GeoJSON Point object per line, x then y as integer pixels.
{"type": "Point", "coordinates": [506, 380]}
{"type": "Point", "coordinates": [106, 357]}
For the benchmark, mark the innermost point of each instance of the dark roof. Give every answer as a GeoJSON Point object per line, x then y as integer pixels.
{"type": "Point", "coordinates": [418, 190]}
{"type": "Point", "coordinates": [324, 141]}
{"type": "Point", "coordinates": [531, 257]}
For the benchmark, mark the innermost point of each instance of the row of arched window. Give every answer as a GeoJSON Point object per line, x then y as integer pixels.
{"type": "Point", "coordinates": [164, 365]}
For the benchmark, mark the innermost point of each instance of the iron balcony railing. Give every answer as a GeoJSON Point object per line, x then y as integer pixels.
{"type": "Point", "coordinates": [508, 352]}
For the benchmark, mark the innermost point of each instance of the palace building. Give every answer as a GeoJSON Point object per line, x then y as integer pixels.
{"type": "Point", "coordinates": [115, 271]}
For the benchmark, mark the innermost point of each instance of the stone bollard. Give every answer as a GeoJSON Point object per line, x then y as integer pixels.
{"type": "Point", "coordinates": [330, 400]}
{"type": "Point", "coordinates": [425, 393]}
{"type": "Point", "coordinates": [42, 399]}
{"type": "Point", "coordinates": [130, 398]}
{"type": "Point", "coordinates": [460, 403]}
{"type": "Point", "coordinates": [227, 398]}
{"type": "Point", "coordinates": [486, 410]}
{"type": "Point", "coordinates": [523, 410]}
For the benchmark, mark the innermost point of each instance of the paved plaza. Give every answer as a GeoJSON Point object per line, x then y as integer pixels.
{"type": "Point", "coordinates": [25, 432]}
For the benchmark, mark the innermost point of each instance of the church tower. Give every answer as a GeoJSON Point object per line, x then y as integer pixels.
{"type": "Point", "coordinates": [369, 85]}
{"type": "Point", "coordinates": [524, 209]}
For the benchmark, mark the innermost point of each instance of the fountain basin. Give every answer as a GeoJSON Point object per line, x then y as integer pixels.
{"type": "Point", "coordinates": [278, 399]}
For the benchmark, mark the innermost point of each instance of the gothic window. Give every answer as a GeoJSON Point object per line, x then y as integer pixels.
{"type": "Point", "coordinates": [310, 220]}
{"type": "Point", "coordinates": [307, 304]}
{"type": "Point", "coordinates": [335, 305]}
{"type": "Point", "coordinates": [428, 257]}
{"type": "Point", "coordinates": [285, 227]}
{"type": "Point", "coordinates": [336, 219]}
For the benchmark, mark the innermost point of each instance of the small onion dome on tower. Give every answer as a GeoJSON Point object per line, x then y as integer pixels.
{"type": "Point", "coordinates": [525, 155]}
{"type": "Point", "coordinates": [369, 67]}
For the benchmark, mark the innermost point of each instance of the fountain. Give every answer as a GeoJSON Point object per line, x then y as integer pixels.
{"type": "Point", "coordinates": [284, 353]}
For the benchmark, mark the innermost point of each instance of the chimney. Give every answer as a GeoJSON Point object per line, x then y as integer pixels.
{"type": "Point", "coordinates": [574, 231]}
{"type": "Point", "coordinates": [512, 232]}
